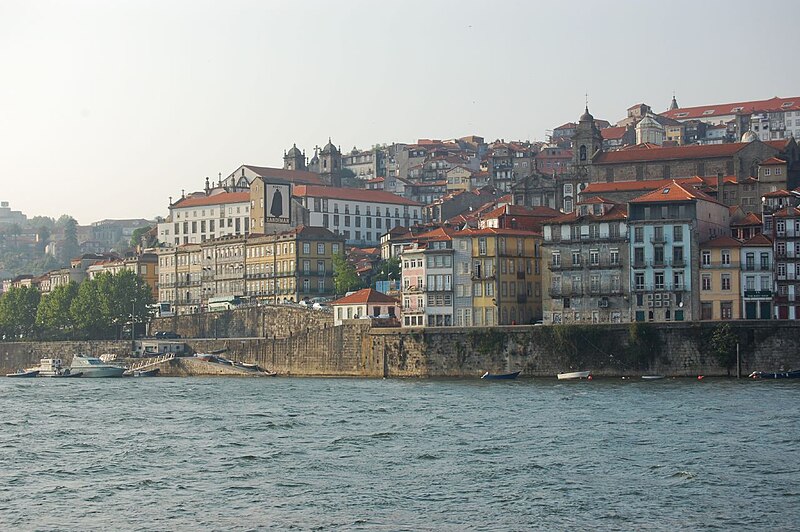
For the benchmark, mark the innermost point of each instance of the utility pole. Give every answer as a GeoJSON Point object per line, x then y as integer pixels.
{"type": "Point", "coordinates": [133, 327]}
{"type": "Point", "coordinates": [738, 363]}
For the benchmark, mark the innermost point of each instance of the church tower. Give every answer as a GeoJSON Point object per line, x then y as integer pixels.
{"type": "Point", "coordinates": [294, 159]}
{"type": "Point", "coordinates": [330, 164]}
{"type": "Point", "coordinates": [586, 142]}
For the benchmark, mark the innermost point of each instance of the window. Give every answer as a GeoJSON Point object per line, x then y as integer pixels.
{"type": "Point", "coordinates": [576, 258]}
{"type": "Point", "coordinates": [726, 281]}
{"type": "Point", "coordinates": [677, 233]}
{"type": "Point", "coordinates": [614, 256]}
{"type": "Point", "coordinates": [659, 280]}
{"type": "Point", "coordinates": [320, 249]}
{"type": "Point", "coordinates": [306, 248]}
{"type": "Point", "coordinates": [638, 234]}
{"type": "Point", "coordinates": [594, 257]}
{"type": "Point", "coordinates": [706, 258]}
{"type": "Point", "coordinates": [639, 281]}
{"type": "Point", "coordinates": [706, 282]}
{"type": "Point", "coordinates": [556, 258]}
{"type": "Point", "coordinates": [725, 255]}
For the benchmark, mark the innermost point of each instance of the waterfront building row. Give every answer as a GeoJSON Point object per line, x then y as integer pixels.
{"type": "Point", "coordinates": [282, 267]}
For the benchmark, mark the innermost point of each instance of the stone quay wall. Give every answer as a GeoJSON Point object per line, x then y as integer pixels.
{"type": "Point", "coordinates": [278, 321]}
{"type": "Point", "coordinates": [18, 355]}
{"type": "Point", "coordinates": [357, 349]}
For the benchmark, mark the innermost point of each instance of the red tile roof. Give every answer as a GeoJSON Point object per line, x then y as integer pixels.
{"type": "Point", "coordinates": [367, 295]}
{"type": "Point", "coordinates": [520, 210]}
{"type": "Point", "coordinates": [750, 219]}
{"type": "Point", "coordinates": [223, 198]}
{"type": "Point", "coordinates": [721, 242]}
{"type": "Point", "coordinates": [772, 161]}
{"type": "Point", "coordinates": [491, 231]}
{"type": "Point", "coordinates": [351, 194]}
{"type": "Point", "coordinates": [658, 153]}
{"type": "Point", "coordinates": [779, 194]}
{"type": "Point", "coordinates": [724, 109]}
{"type": "Point", "coordinates": [617, 212]}
{"type": "Point", "coordinates": [633, 186]}
{"type": "Point", "coordinates": [613, 133]}
{"type": "Point", "coordinates": [760, 240]}
{"type": "Point", "coordinates": [673, 192]}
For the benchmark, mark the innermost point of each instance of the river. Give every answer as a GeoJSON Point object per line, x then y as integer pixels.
{"type": "Point", "coordinates": [364, 454]}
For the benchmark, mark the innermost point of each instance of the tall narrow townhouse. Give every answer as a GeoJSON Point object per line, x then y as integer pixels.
{"type": "Point", "coordinates": [430, 284]}
{"type": "Point", "coordinates": [719, 279]}
{"type": "Point", "coordinates": [756, 265]}
{"type": "Point", "coordinates": [786, 235]}
{"type": "Point", "coordinates": [666, 228]}
{"type": "Point", "coordinates": [586, 265]}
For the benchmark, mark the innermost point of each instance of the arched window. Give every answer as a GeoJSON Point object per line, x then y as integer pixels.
{"type": "Point", "coordinates": [583, 153]}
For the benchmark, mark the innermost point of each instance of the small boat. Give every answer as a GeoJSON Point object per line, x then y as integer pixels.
{"type": "Point", "coordinates": [246, 365]}
{"type": "Point", "coordinates": [93, 367]}
{"type": "Point", "coordinates": [500, 376]}
{"type": "Point", "coordinates": [652, 377]}
{"type": "Point", "coordinates": [24, 373]}
{"type": "Point", "coordinates": [794, 374]}
{"type": "Point", "coordinates": [146, 373]}
{"type": "Point", "coordinates": [52, 367]}
{"type": "Point", "coordinates": [205, 357]}
{"type": "Point", "coordinates": [573, 375]}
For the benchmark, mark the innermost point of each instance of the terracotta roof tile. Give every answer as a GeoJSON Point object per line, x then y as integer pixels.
{"type": "Point", "coordinates": [721, 242]}
{"type": "Point", "coordinates": [759, 240]}
{"type": "Point", "coordinates": [223, 198]}
{"type": "Point", "coordinates": [772, 161]}
{"type": "Point", "coordinates": [293, 176]}
{"type": "Point", "coordinates": [659, 153]}
{"type": "Point", "coordinates": [723, 109]}
{"type": "Point", "coordinates": [351, 194]}
{"type": "Point", "coordinates": [673, 192]}
{"type": "Point", "coordinates": [367, 295]}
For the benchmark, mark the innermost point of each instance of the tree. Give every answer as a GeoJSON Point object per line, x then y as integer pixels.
{"type": "Point", "coordinates": [389, 270]}
{"type": "Point", "coordinates": [70, 249]}
{"type": "Point", "coordinates": [87, 314]}
{"type": "Point", "coordinates": [42, 237]}
{"type": "Point", "coordinates": [723, 346]}
{"type": "Point", "coordinates": [142, 237]}
{"type": "Point", "coordinates": [18, 312]}
{"type": "Point", "coordinates": [53, 317]}
{"type": "Point", "coordinates": [345, 278]}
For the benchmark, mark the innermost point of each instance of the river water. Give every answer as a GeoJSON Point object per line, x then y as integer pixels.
{"type": "Point", "coordinates": [350, 454]}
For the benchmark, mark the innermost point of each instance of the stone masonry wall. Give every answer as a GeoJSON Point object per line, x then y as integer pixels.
{"type": "Point", "coordinates": [677, 349]}
{"type": "Point", "coordinates": [265, 320]}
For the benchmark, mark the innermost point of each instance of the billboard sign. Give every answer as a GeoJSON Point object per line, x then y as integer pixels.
{"type": "Point", "coordinates": [277, 201]}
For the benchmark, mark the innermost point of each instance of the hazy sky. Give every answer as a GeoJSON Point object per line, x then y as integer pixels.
{"type": "Point", "coordinates": [108, 108]}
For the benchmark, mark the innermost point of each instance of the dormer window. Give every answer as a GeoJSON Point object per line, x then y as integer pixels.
{"type": "Point", "coordinates": [708, 112]}
{"type": "Point", "coordinates": [665, 191]}
{"type": "Point", "coordinates": [681, 115]}
{"type": "Point", "coordinates": [737, 109]}
{"type": "Point", "coordinates": [784, 105]}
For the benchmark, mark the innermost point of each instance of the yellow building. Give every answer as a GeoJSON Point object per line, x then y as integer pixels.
{"type": "Point", "coordinates": [292, 265]}
{"type": "Point", "coordinates": [720, 279]}
{"type": "Point", "coordinates": [180, 273]}
{"type": "Point", "coordinates": [506, 274]}
{"type": "Point", "coordinates": [144, 265]}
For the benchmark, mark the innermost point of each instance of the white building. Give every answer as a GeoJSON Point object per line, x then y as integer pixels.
{"type": "Point", "coordinates": [361, 216]}
{"type": "Point", "coordinates": [199, 217]}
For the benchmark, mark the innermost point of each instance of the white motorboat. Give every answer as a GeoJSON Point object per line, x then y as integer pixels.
{"type": "Point", "coordinates": [52, 367]}
{"type": "Point", "coordinates": [94, 367]}
{"type": "Point", "coordinates": [574, 375]}
{"type": "Point", "coordinates": [652, 377]}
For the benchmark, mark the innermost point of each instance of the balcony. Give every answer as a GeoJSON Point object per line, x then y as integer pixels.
{"type": "Point", "coordinates": [666, 287]}
{"type": "Point", "coordinates": [657, 239]}
{"type": "Point", "coordinates": [638, 264]}
{"type": "Point", "coordinates": [718, 264]}
{"type": "Point", "coordinates": [414, 289]}
{"type": "Point", "coordinates": [604, 264]}
{"type": "Point", "coordinates": [605, 291]}
{"type": "Point", "coordinates": [552, 266]}
{"type": "Point", "coordinates": [763, 267]}
{"type": "Point", "coordinates": [521, 275]}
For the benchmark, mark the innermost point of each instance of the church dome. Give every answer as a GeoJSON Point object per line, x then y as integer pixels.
{"type": "Point", "coordinates": [294, 152]}
{"type": "Point", "coordinates": [587, 116]}
{"type": "Point", "coordinates": [749, 136]}
{"type": "Point", "coordinates": [329, 148]}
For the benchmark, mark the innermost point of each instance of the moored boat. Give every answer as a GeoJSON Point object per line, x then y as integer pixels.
{"type": "Point", "coordinates": [574, 375]}
{"type": "Point", "coordinates": [794, 374]}
{"type": "Point", "coordinates": [500, 376]}
{"type": "Point", "coordinates": [93, 367]}
{"type": "Point", "coordinates": [24, 373]}
{"type": "Point", "coordinates": [652, 377]}
{"type": "Point", "coordinates": [146, 373]}
{"type": "Point", "coordinates": [52, 367]}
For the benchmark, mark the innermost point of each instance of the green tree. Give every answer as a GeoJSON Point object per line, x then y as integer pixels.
{"type": "Point", "coordinates": [389, 270]}
{"type": "Point", "coordinates": [53, 317]}
{"type": "Point", "coordinates": [723, 346]}
{"type": "Point", "coordinates": [42, 238]}
{"type": "Point", "coordinates": [18, 309]}
{"type": "Point", "coordinates": [87, 313]}
{"type": "Point", "coordinates": [345, 278]}
{"type": "Point", "coordinates": [141, 237]}
{"type": "Point", "coordinates": [70, 248]}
